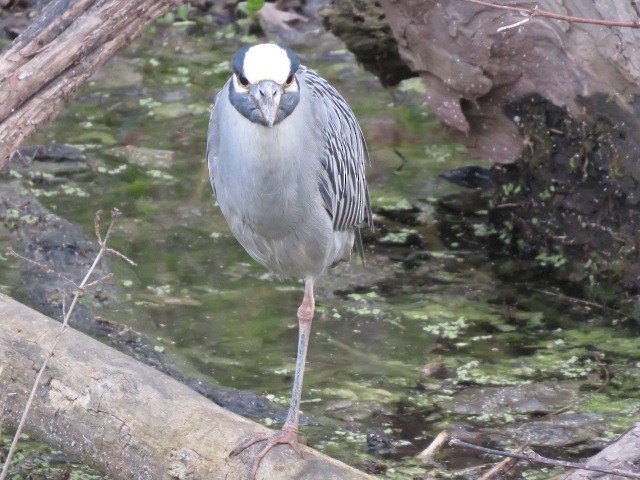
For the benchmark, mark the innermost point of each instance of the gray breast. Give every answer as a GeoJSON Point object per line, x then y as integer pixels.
{"type": "Point", "coordinates": [267, 185]}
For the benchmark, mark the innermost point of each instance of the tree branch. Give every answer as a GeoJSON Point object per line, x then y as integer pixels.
{"type": "Point", "coordinates": [531, 456]}
{"type": "Point", "coordinates": [57, 53]}
{"type": "Point", "coordinates": [533, 12]}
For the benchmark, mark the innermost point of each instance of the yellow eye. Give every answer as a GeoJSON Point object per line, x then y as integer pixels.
{"type": "Point", "coordinates": [243, 80]}
{"type": "Point", "coordinates": [289, 81]}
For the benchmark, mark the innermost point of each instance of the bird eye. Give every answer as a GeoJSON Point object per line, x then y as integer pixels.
{"type": "Point", "coordinates": [289, 81]}
{"type": "Point", "coordinates": [243, 80]}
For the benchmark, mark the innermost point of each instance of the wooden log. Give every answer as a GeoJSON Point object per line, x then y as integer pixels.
{"type": "Point", "coordinates": [623, 454]}
{"type": "Point", "coordinates": [47, 63]}
{"type": "Point", "coordinates": [125, 418]}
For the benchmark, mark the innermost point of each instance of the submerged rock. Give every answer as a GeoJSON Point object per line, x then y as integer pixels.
{"type": "Point", "coordinates": [541, 397]}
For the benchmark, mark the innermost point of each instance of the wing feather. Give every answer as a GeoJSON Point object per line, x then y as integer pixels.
{"type": "Point", "coordinates": [344, 186]}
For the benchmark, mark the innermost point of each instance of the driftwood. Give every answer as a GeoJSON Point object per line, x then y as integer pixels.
{"type": "Point", "coordinates": [125, 418]}
{"type": "Point", "coordinates": [47, 63]}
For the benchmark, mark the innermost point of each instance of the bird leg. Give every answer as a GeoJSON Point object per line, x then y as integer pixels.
{"type": "Point", "coordinates": [289, 433]}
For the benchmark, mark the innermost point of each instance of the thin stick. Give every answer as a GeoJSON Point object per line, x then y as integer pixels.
{"type": "Point", "coordinates": [502, 466]}
{"type": "Point", "coordinates": [435, 446]}
{"type": "Point", "coordinates": [532, 456]}
{"type": "Point", "coordinates": [532, 12]}
{"type": "Point", "coordinates": [80, 289]}
{"type": "Point", "coordinates": [98, 281]}
{"type": "Point", "coordinates": [45, 268]}
{"type": "Point", "coordinates": [585, 302]}
{"type": "Point", "coordinates": [122, 256]}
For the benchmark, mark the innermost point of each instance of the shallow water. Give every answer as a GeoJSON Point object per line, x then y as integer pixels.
{"type": "Point", "coordinates": [402, 344]}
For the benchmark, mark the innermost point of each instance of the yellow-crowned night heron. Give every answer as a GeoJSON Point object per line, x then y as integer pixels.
{"type": "Point", "coordinates": [287, 164]}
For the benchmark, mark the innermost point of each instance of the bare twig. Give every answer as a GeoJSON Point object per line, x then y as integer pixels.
{"type": "Point", "coordinates": [42, 266]}
{"type": "Point", "coordinates": [66, 316]}
{"type": "Point", "coordinates": [533, 12]}
{"type": "Point", "coordinates": [403, 160]}
{"type": "Point", "coordinates": [513, 25]}
{"type": "Point", "coordinates": [585, 302]}
{"type": "Point", "coordinates": [437, 443]}
{"type": "Point", "coordinates": [96, 225]}
{"type": "Point", "coordinates": [531, 456]}
{"type": "Point", "coordinates": [122, 256]}
{"type": "Point", "coordinates": [98, 281]}
{"type": "Point", "coordinates": [502, 466]}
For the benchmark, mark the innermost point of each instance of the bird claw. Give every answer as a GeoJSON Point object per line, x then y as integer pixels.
{"type": "Point", "coordinates": [283, 437]}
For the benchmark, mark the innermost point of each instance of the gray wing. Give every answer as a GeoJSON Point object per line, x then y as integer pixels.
{"type": "Point", "coordinates": [344, 187]}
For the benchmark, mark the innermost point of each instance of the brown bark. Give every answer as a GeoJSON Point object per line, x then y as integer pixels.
{"type": "Point", "coordinates": [57, 53]}
{"type": "Point", "coordinates": [125, 418]}
{"type": "Point", "coordinates": [473, 71]}
{"type": "Point", "coordinates": [557, 101]}
{"type": "Point", "coordinates": [365, 31]}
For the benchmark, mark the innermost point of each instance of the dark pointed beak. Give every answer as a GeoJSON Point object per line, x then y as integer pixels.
{"type": "Point", "coordinates": [267, 95]}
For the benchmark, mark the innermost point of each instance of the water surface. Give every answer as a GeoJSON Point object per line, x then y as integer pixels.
{"type": "Point", "coordinates": [394, 342]}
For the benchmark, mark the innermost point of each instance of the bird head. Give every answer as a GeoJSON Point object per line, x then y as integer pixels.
{"type": "Point", "coordinates": [264, 87]}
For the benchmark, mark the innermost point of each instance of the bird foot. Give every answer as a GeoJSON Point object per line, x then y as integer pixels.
{"type": "Point", "coordinates": [286, 436]}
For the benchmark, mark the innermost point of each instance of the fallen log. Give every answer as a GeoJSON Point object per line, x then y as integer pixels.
{"type": "Point", "coordinates": [623, 454]}
{"type": "Point", "coordinates": [125, 418]}
{"type": "Point", "coordinates": [47, 63]}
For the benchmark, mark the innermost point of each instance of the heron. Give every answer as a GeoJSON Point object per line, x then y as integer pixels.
{"type": "Point", "coordinates": [287, 162]}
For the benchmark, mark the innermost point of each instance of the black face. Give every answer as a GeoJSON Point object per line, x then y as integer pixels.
{"type": "Point", "coordinates": [245, 101]}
